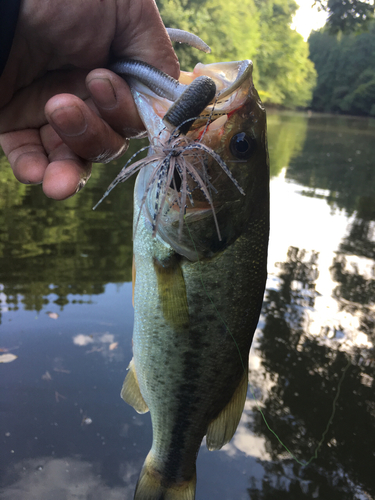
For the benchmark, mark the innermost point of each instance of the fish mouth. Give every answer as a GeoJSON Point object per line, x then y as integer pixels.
{"type": "Point", "coordinates": [232, 80]}
{"type": "Point", "coordinates": [182, 191]}
{"type": "Point", "coordinates": [211, 91]}
{"type": "Point", "coordinates": [166, 203]}
{"type": "Point", "coordinates": [228, 76]}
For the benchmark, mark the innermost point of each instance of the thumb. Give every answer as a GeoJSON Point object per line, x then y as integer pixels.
{"type": "Point", "coordinates": [141, 35]}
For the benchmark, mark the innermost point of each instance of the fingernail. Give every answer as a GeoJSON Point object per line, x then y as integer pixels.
{"type": "Point", "coordinates": [81, 185]}
{"type": "Point", "coordinates": [69, 121]}
{"type": "Point", "coordinates": [102, 92]}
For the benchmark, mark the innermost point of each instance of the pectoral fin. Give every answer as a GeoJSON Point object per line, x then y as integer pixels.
{"type": "Point", "coordinates": [131, 392]}
{"type": "Point", "coordinates": [221, 430]}
{"type": "Point", "coordinates": [172, 292]}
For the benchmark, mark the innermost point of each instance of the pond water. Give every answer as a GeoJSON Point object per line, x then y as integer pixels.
{"type": "Point", "coordinates": [65, 311]}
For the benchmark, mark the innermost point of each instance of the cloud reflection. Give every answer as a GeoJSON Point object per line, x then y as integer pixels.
{"type": "Point", "coordinates": [245, 441]}
{"type": "Point", "coordinates": [83, 340]}
{"type": "Point", "coordinates": [100, 342]}
{"type": "Point", "coordinates": [66, 478]}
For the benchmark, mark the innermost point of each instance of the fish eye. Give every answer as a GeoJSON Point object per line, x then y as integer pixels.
{"type": "Point", "coordinates": [242, 146]}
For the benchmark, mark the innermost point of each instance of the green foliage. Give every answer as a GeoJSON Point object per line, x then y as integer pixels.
{"type": "Point", "coordinates": [286, 75]}
{"type": "Point", "coordinates": [357, 101]}
{"type": "Point", "coordinates": [184, 15]}
{"type": "Point", "coordinates": [251, 29]}
{"type": "Point", "coordinates": [346, 72]}
{"type": "Point", "coordinates": [232, 31]}
{"type": "Point", "coordinates": [347, 16]}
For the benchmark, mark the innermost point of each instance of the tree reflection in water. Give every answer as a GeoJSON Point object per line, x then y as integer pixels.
{"type": "Point", "coordinates": [52, 251]}
{"type": "Point", "coordinates": [305, 372]}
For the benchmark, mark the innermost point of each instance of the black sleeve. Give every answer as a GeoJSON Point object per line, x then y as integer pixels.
{"type": "Point", "coordinates": [9, 10]}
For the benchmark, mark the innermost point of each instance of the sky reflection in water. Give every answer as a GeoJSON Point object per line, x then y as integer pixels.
{"type": "Point", "coordinates": [64, 431]}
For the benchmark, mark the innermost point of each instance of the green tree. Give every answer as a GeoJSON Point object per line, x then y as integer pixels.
{"type": "Point", "coordinates": [347, 15]}
{"type": "Point", "coordinates": [285, 74]}
{"type": "Point", "coordinates": [346, 72]}
{"type": "Point", "coordinates": [238, 36]}
{"type": "Point", "coordinates": [231, 29]}
{"type": "Point", "coordinates": [185, 15]}
{"type": "Point", "coordinates": [252, 29]}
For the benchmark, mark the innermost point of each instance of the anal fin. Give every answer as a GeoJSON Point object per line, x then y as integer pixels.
{"type": "Point", "coordinates": [131, 392]}
{"type": "Point", "coordinates": [221, 430]}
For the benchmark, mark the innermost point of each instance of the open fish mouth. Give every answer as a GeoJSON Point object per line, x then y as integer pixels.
{"type": "Point", "coordinates": [177, 178]}
{"type": "Point", "coordinates": [229, 78]}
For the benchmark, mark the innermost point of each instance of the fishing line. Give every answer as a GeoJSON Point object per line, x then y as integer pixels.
{"type": "Point", "coordinates": [315, 455]}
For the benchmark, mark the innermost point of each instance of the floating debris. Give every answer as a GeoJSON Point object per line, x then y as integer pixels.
{"type": "Point", "coordinates": [7, 358]}
{"type": "Point", "coordinates": [59, 396]}
{"type": "Point", "coordinates": [53, 315]}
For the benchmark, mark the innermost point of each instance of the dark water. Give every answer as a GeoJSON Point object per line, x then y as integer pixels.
{"type": "Point", "coordinates": [66, 314]}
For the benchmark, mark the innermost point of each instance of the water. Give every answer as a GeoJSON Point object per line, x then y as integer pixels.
{"type": "Point", "coordinates": [66, 314]}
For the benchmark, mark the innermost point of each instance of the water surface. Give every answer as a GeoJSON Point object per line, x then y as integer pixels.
{"type": "Point", "coordinates": [65, 306]}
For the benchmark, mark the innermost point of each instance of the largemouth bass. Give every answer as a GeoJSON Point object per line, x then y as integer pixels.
{"type": "Point", "coordinates": [201, 224]}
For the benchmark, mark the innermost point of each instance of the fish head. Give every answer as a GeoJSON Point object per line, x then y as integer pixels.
{"type": "Point", "coordinates": [214, 178]}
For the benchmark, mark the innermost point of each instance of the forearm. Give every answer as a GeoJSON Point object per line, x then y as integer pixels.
{"type": "Point", "coordinates": [9, 10]}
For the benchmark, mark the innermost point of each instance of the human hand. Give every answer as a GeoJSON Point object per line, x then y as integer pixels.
{"type": "Point", "coordinates": [58, 113]}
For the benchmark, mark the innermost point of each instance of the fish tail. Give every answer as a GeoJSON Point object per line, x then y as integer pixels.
{"type": "Point", "coordinates": [151, 485]}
